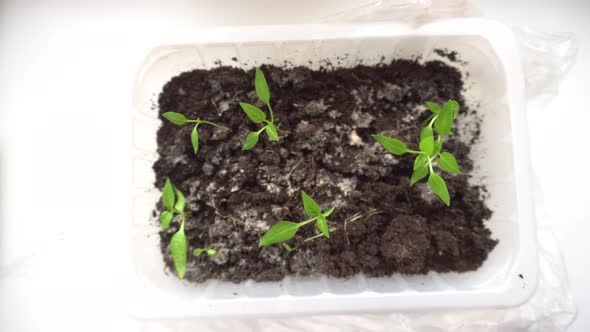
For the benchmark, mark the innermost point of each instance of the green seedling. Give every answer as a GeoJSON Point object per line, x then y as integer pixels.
{"type": "Point", "coordinates": [180, 119]}
{"type": "Point", "coordinates": [210, 251]}
{"type": "Point", "coordinates": [440, 122]}
{"type": "Point", "coordinates": [357, 216]}
{"type": "Point", "coordinates": [285, 230]}
{"type": "Point", "coordinates": [174, 202]}
{"type": "Point", "coordinates": [258, 116]}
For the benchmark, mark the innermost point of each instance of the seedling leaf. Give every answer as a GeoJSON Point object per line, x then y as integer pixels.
{"type": "Point", "coordinates": [165, 219]}
{"type": "Point", "coordinates": [440, 187]}
{"type": "Point", "coordinates": [426, 122]}
{"type": "Point", "coordinates": [180, 201]}
{"type": "Point", "coordinates": [419, 174]}
{"type": "Point", "coordinates": [261, 87]}
{"type": "Point", "coordinates": [254, 113]}
{"type": "Point", "coordinates": [211, 252]}
{"type": "Point", "coordinates": [421, 161]}
{"type": "Point", "coordinates": [427, 145]}
{"type": "Point", "coordinates": [279, 232]}
{"type": "Point", "coordinates": [271, 131]}
{"type": "Point", "coordinates": [178, 250]}
{"type": "Point", "coordinates": [392, 145]}
{"type": "Point", "coordinates": [437, 146]}
{"type": "Point", "coordinates": [168, 195]}
{"type": "Point", "coordinates": [176, 118]}
{"type": "Point", "coordinates": [195, 139]}
{"type": "Point", "coordinates": [448, 163]}
{"type": "Point", "coordinates": [454, 106]}
{"type": "Point", "coordinates": [426, 132]}
{"type": "Point", "coordinates": [310, 206]}
{"type": "Point", "coordinates": [444, 121]}
{"type": "Point", "coordinates": [433, 107]}
{"type": "Point", "coordinates": [251, 140]}
{"type": "Point", "coordinates": [329, 212]}
{"type": "Point", "coordinates": [427, 141]}
{"type": "Point", "coordinates": [322, 224]}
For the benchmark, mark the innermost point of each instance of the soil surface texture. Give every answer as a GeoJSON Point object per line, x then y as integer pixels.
{"type": "Point", "coordinates": [234, 196]}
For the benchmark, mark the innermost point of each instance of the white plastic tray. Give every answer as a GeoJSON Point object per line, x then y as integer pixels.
{"type": "Point", "coordinates": [495, 83]}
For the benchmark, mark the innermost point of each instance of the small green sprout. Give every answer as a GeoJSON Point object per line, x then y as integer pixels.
{"type": "Point", "coordinates": [441, 122]}
{"type": "Point", "coordinates": [174, 202]}
{"type": "Point", "coordinates": [357, 216]}
{"type": "Point", "coordinates": [180, 119]}
{"type": "Point", "coordinates": [285, 230]}
{"type": "Point", "coordinates": [210, 251]}
{"type": "Point", "coordinates": [258, 116]}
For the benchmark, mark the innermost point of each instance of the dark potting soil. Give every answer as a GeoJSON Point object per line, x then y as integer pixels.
{"type": "Point", "coordinates": [234, 196]}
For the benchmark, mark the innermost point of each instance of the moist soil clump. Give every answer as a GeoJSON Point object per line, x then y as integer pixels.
{"type": "Point", "coordinates": [234, 196]}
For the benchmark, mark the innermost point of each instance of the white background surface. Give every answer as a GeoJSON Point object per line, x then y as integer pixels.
{"type": "Point", "coordinates": [66, 74]}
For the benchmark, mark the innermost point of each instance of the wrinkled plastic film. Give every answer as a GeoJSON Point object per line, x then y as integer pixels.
{"type": "Point", "coordinates": [381, 10]}
{"type": "Point", "coordinates": [412, 11]}
{"type": "Point", "coordinates": [546, 58]}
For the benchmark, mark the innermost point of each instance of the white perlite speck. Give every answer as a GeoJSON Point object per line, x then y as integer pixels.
{"type": "Point", "coordinates": [211, 187]}
{"type": "Point", "coordinates": [390, 159]}
{"type": "Point", "coordinates": [272, 188]}
{"type": "Point", "coordinates": [224, 106]}
{"type": "Point", "coordinates": [362, 120]}
{"type": "Point", "coordinates": [347, 185]}
{"type": "Point", "coordinates": [354, 139]}
{"type": "Point", "coordinates": [252, 221]}
{"type": "Point", "coordinates": [334, 114]}
{"type": "Point", "coordinates": [313, 107]}
{"type": "Point", "coordinates": [391, 92]}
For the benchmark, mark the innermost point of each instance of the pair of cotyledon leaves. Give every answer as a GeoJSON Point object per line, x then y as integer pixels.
{"type": "Point", "coordinates": [285, 230]}
{"type": "Point", "coordinates": [180, 119]}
